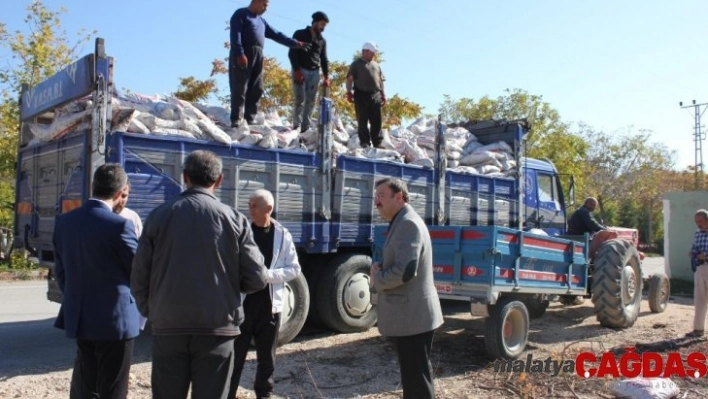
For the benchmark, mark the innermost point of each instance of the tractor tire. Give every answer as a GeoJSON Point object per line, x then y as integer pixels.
{"type": "Point", "coordinates": [507, 329]}
{"type": "Point", "coordinates": [343, 297]}
{"type": "Point", "coordinates": [571, 300]}
{"type": "Point", "coordinates": [659, 292]}
{"type": "Point", "coordinates": [617, 284]}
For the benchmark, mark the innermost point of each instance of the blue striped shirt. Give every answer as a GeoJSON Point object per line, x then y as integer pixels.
{"type": "Point", "coordinates": [700, 245]}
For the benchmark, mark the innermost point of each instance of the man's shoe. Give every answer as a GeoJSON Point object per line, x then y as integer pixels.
{"type": "Point", "coordinates": [695, 334]}
{"type": "Point", "coordinates": [250, 122]}
{"type": "Point", "coordinates": [296, 127]}
{"type": "Point", "coordinates": [237, 122]}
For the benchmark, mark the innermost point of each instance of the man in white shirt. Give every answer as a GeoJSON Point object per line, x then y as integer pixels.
{"type": "Point", "coordinates": [128, 213]}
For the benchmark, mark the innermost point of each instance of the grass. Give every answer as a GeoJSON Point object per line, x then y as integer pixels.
{"type": "Point", "coordinates": [652, 255]}
{"type": "Point", "coordinates": [18, 262]}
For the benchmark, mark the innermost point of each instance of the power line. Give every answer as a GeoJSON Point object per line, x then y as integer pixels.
{"type": "Point", "coordinates": [698, 137]}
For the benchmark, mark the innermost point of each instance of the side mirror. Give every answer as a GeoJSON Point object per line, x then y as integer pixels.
{"type": "Point", "coordinates": [571, 191]}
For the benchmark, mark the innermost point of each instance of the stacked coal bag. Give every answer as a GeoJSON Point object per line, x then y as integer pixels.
{"type": "Point", "coordinates": [166, 115]}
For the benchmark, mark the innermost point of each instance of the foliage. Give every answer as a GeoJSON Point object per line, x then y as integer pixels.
{"type": "Point", "coordinates": [33, 55]}
{"type": "Point", "coordinates": [194, 90]}
{"type": "Point", "coordinates": [18, 261]}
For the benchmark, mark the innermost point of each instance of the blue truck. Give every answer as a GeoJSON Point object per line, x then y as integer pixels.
{"type": "Point", "coordinates": [327, 205]}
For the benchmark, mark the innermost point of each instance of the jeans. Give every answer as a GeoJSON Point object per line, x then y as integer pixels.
{"type": "Point", "coordinates": [304, 95]}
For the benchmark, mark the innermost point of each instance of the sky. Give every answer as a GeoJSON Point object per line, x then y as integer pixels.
{"type": "Point", "coordinates": [611, 65]}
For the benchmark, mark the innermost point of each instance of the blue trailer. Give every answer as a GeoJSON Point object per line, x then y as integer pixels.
{"type": "Point", "coordinates": [326, 205]}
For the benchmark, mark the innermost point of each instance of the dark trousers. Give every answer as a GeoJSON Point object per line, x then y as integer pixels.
{"type": "Point", "coordinates": [414, 359]}
{"type": "Point", "coordinates": [204, 360]}
{"type": "Point", "coordinates": [368, 118]}
{"type": "Point", "coordinates": [101, 369]}
{"type": "Point", "coordinates": [246, 84]}
{"type": "Point", "coordinates": [262, 326]}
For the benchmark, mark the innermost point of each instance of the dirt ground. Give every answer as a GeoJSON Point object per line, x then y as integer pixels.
{"type": "Point", "coordinates": [320, 364]}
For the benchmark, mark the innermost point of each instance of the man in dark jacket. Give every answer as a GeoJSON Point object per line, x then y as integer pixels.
{"type": "Point", "coordinates": [306, 66]}
{"type": "Point", "coordinates": [194, 259]}
{"type": "Point", "coordinates": [582, 220]}
{"type": "Point", "coordinates": [248, 33]}
{"type": "Point", "coordinates": [93, 249]}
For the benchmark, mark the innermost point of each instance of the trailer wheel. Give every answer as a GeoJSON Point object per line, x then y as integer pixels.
{"type": "Point", "coordinates": [343, 298]}
{"type": "Point", "coordinates": [617, 284]}
{"type": "Point", "coordinates": [296, 305]}
{"type": "Point", "coordinates": [571, 300]}
{"type": "Point", "coordinates": [659, 292]}
{"type": "Point", "coordinates": [536, 307]}
{"type": "Point", "coordinates": [507, 329]}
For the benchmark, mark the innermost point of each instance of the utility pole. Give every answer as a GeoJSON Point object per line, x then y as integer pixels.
{"type": "Point", "coordinates": [698, 137]}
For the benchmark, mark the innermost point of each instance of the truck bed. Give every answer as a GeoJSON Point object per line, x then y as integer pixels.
{"type": "Point", "coordinates": [483, 261]}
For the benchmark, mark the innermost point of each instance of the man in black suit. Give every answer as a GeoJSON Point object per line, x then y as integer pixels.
{"type": "Point", "coordinates": [94, 250]}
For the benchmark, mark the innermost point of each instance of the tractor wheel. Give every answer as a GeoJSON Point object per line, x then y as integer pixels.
{"type": "Point", "coordinates": [507, 329]}
{"type": "Point", "coordinates": [659, 291]}
{"type": "Point", "coordinates": [617, 284]}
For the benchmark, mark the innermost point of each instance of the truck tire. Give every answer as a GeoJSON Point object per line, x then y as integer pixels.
{"type": "Point", "coordinates": [507, 329]}
{"type": "Point", "coordinates": [617, 284]}
{"type": "Point", "coordinates": [571, 300]}
{"type": "Point", "coordinates": [343, 298]}
{"type": "Point", "coordinates": [659, 292]}
{"type": "Point", "coordinates": [296, 306]}
{"type": "Point", "coordinates": [535, 307]}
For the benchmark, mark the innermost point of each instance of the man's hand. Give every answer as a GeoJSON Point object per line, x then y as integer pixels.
{"type": "Point", "coordinates": [299, 77]}
{"type": "Point", "coordinates": [302, 45]}
{"type": "Point", "coordinates": [242, 61]}
{"type": "Point", "coordinates": [383, 99]}
{"type": "Point", "coordinates": [350, 96]}
{"type": "Point", "coordinates": [701, 256]}
{"type": "Point", "coordinates": [325, 82]}
{"type": "Point", "coordinates": [375, 268]}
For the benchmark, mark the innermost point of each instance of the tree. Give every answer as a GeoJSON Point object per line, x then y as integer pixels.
{"type": "Point", "coordinates": [33, 55]}
{"type": "Point", "coordinates": [194, 90]}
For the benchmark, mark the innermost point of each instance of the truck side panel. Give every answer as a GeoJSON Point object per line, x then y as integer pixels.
{"type": "Point", "coordinates": [354, 215]}
{"type": "Point", "coordinates": [483, 261]}
{"type": "Point", "coordinates": [154, 165]}
{"type": "Point", "coordinates": [474, 200]}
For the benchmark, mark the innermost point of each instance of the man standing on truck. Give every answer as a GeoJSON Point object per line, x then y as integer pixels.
{"type": "Point", "coordinates": [365, 88]}
{"type": "Point", "coordinates": [262, 308]}
{"type": "Point", "coordinates": [248, 33]}
{"type": "Point", "coordinates": [408, 304]}
{"type": "Point", "coordinates": [94, 250]}
{"type": "Point", "coordinates": [195, 258]}
{"type": "Point", "coordinates": [699, 265]}
{"type": "Point", "coordinates": [582, 220]}
{"type": "Point", "coordinates": [306, 66]}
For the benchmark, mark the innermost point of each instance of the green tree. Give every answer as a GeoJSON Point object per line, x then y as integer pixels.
{"type": "Point", "coordinates": [33, 54]}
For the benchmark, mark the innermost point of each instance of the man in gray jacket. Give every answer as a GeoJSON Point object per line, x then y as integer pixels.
{"type": "Point", "coordinates": [408, 304]}
{"type": "Point", "coordinates": [194, 259]}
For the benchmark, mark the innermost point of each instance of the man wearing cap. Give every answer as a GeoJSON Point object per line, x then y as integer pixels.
{"type": "Point", "coordinates": [248, 33]}
{"type": "Point", "coordinates": [305, 69]}
{"type": "Point", "coordinates": [367, 82]}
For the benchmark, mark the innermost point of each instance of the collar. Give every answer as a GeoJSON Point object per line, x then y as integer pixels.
{"type": "Point", "coordinates": [198, 190]}
{"type": "Point", "coordinates": [105, 204]}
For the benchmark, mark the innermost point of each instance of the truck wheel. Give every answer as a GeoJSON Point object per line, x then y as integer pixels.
{"type": "Point", "coordinates": [571, 300]}
{"type": "Point", "coordinates": [535, 307]}
{"type": "Point", "coordinates": [343, 298]}
{"type": "Point", "coordinates": [617, 284]}
{"type": "Point", "coordinates": [296, 305]}
{"type": "Point", "coordinates": [507, 329]}
{"type": "Point", "coordinates": [659, 291]}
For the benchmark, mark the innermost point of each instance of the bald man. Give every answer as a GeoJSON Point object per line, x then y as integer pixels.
{"type": "Point", "coordinates": [582, 220]}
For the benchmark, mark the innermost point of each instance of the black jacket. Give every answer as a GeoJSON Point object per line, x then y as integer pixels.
{"type": "Point", "coordinates": [583, 222]}
{"type": "Point", "coordinates": [315, 57]}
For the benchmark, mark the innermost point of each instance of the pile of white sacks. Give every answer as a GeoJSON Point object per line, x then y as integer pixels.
{"type": "Point", "coordinates": [171, 116]}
